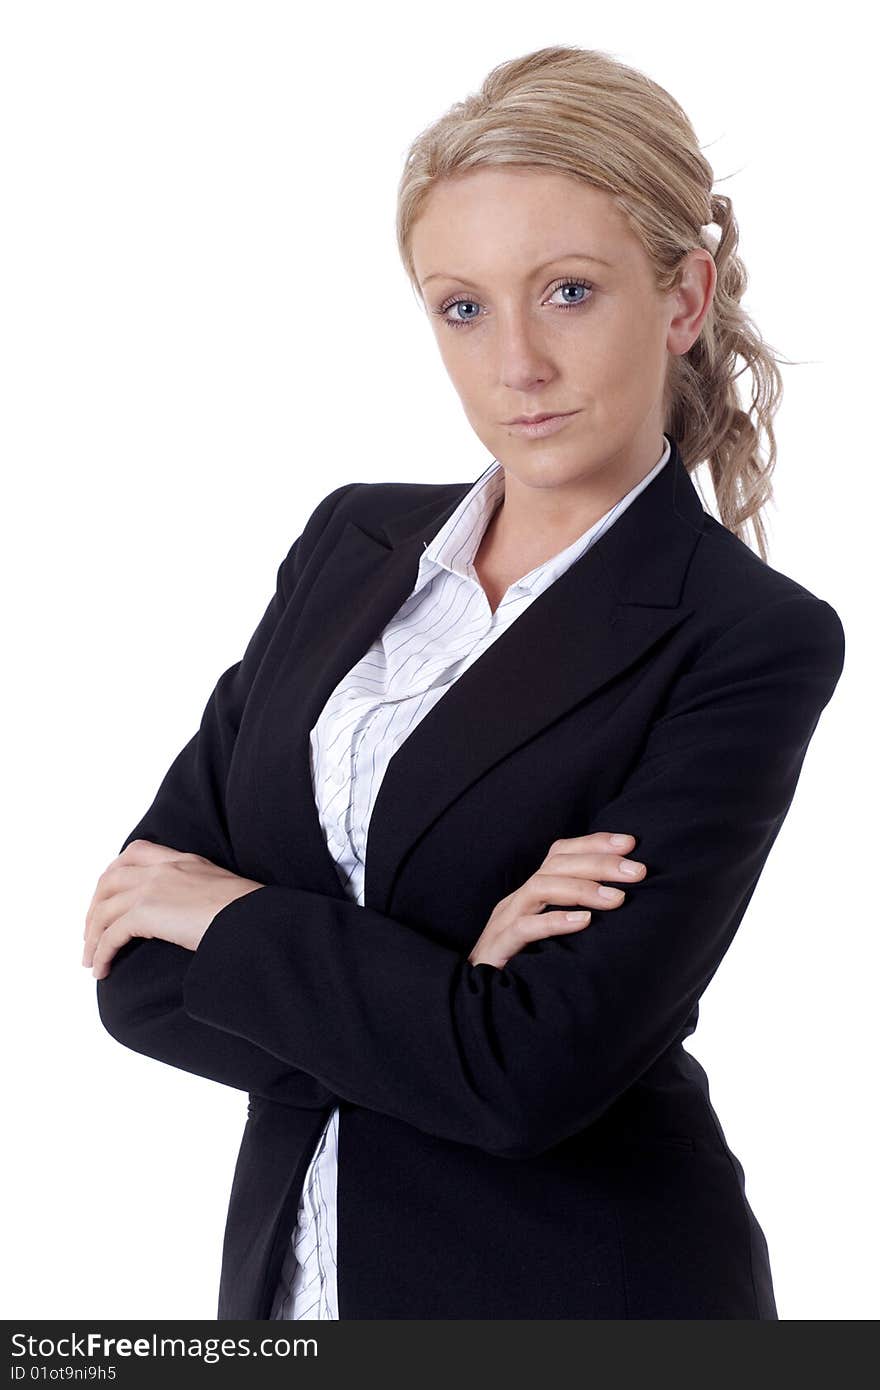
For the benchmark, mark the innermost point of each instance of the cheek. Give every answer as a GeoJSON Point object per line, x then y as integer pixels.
{"type": "Point", "coordinates": [465, 369]}
{"type": "Point", "coordinates": [624, 365]}
{"type": "Point", "coordinates": [451, 358]}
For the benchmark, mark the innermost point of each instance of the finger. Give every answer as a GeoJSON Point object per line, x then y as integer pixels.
{"type": "Point", "coordinates": [610, 841]}
{"type": "Point", "coordinates": [568, 890]}
{"type": "Point", "coordinates": [102, 917]}
{"type": "Point", "coordinates": [111, 941]}
{"type": "Point", "coordinates": [530, 927]}
{"type": "Point", "coordinates": [112, 882]}
{"type": "Point", "coordinates": [108, 881]}
{"type": "Point", "coordinates": [139, 855]}
{"type": "Point", "coordinates": [109, 884]}
{"type": "Point", "coordinates": [596, 866]}
{"type": "Point", "coordinates": [535, 925]}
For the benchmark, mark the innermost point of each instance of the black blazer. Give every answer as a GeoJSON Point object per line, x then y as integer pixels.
{"type": "Point", "coordinates": [532, 1142]}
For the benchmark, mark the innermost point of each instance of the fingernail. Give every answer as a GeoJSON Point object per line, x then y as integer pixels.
{"type": "Point", "coordinates": [620, 839]}
{"type": "Point", "coordinates": [576, 916]}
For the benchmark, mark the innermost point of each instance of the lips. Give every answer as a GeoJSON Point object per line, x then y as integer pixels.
{"type": "Point", "coordinates": [540, 427]}
{"type": "Point", "coordinates": [536, 419]}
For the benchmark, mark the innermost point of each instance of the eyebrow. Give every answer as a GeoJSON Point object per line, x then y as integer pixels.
{"type": "Point", "coordinates": [566, 256]}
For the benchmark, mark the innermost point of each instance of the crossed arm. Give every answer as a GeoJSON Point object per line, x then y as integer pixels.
{"type": "Point", "coordinates": [305, 999]}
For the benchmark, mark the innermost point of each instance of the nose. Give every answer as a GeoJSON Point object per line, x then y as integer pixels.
{"type": "Point", "coordinates": [524, 362]}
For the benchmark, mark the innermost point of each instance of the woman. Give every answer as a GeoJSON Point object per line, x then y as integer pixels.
{"type": "Point", "coordinates": [380, 889]}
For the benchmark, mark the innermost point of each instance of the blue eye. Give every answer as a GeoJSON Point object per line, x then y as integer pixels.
{"type": "Point", "coordinates": [560, 285]}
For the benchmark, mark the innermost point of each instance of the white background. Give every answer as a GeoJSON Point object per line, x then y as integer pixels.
{"type": "Point", "coordinates": [205, 328]}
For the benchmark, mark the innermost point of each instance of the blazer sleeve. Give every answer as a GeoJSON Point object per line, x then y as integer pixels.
{"type": "Point", "coordinates": [140, 1002]}
{"type": "Point", "coordinates": [515, 1060]}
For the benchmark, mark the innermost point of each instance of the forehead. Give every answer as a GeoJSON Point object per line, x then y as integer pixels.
{"type": "Point", "coordinates": [508, 220]}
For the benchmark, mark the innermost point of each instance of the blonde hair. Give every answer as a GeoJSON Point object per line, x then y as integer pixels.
{"type": "Point", "coordinates": [582, 113]}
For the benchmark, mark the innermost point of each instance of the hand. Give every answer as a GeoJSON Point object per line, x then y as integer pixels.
{"type": "Point", "coordinates": [154, 890]}
{"type": "Point", "coordinates": [569, 874]}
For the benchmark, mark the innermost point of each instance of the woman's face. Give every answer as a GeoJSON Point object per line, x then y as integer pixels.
{"type": "Point", "coordinates": [542, 301]}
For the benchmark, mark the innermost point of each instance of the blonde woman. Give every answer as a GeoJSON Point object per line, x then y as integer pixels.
{"type": "Point", "coordinates": [460, 842]}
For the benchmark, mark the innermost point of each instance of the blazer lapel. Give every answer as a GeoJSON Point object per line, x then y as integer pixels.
{"type": "Point", "coordinates": [604, 613]}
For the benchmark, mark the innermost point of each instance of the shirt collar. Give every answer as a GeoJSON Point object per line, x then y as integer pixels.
{"type": "Point", "coordinates": [456, 543]}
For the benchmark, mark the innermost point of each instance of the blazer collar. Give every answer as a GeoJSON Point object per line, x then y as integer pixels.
{"type": "Point", "coordinates": [645, 557]}
{"type": "Point", "coordinates": [599, 617]}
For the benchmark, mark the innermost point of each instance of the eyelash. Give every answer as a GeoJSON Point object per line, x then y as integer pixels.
{"type": "Point", "coordinates": [561, 284]}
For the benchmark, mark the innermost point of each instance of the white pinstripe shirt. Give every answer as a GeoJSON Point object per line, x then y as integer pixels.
{"type": "Point", "coordinates": [443, 627]}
